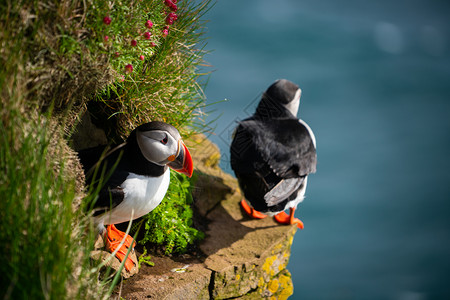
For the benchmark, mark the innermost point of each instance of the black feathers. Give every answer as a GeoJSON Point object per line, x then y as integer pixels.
{"type": "Point", "coordinates": [284, 144]}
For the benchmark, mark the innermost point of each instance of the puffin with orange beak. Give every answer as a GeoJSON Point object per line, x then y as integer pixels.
{"type": "Point", "coordinates": [139, 179]}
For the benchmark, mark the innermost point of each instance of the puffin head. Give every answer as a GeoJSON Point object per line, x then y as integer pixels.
{"type": "Point", "coordinates": [161, 144]}
{"type": "Point", "coordinates": [282, 93]}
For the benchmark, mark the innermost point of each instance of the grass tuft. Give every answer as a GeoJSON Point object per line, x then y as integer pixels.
{"type": "Point", "coordinates": [45, 243]}
{"type": "Point", "coordinates": [165, 86]}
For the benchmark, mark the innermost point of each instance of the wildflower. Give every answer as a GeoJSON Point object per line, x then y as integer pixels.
{"type": "Point", "coordinates": [149, 24]}
{"type": "Point", "coordinates": [172, 17]}
{"type": "Point", "coordinates": [107, 20]}
{"type": "Point", "coordinates": [106, 38]}
{"type": "Point", "coordinates": [122, 78]}
{"type": "Point", "coordinates": [171, 4]}
{"type": "Point", "coordinates": [116, 54]}
{"type": "Point", "coordinates": [128, 68]}
{"type": "Point", "coordinates": [169, 21]}
{"type": "Point", "coordinates": [133, 43]}
{"type": "Point", "coordinates": [165, 32]}
{"type": "Point", "coordinates": [147, 35]}
{"type": "Point", "coordinates": [152, 44]}
{"type": "Point", "coordinates": [141, 57]}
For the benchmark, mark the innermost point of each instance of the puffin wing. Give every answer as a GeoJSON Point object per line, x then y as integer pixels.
{"type": "Point", "coordinates": [111, 194]}
{"type": "Point", "coordinates": [284, 144]}
{"type": "Point", "coordinates": [282, 190]}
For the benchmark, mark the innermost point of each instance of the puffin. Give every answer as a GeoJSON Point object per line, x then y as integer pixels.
{"type": "Point", "coordinates": [136, 176]}
{"type": "Point", "coordinates": [272, 153]}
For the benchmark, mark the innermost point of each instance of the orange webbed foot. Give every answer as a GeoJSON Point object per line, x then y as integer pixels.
{"type": "Point", "coordinates": [251, 211]}
{"type": "Point", "coordinates": [113, 238]}
{"type": "Point", "coordinates": [284, 218]}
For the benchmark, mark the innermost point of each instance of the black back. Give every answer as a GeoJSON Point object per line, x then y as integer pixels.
{"type": "Point", "coordinates": [266, 151]}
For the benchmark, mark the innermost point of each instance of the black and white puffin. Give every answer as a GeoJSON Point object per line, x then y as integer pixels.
{"type": "Point", "coordinates": [272, 153]}
{"type": "Point", "coordinates": [139, 180]}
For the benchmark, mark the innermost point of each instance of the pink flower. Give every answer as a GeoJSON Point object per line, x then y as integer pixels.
{"type": "Point", "coordinates": [133, 43]}
{"type": "Point", "coordinates": [147, 35]}
{"type": "Point", "coordinates": [141, 57]}
{"type": "Point", "coordinates": [107, 20]}
{"type": "Point", "coordinates": [152, 44]}
{"type": "Point", "coordinates": [165, 32]}
{"type": "Point", "coordinates": [171, 4]}
{"type": "Point", "coordinates": [169, 20]}
{"type": "Point", "coordinates": [116, 54]}
{"type": "Point", "coordinates": [128, 68]}
{"type": "Point", "coordinates": [106, 38]}
{"type": "Point", "coordinates": [122, 78]}
{"type": "Point", "coordinates": [149, 24]}
{"type": "Point", "coordinates": [172, 17]}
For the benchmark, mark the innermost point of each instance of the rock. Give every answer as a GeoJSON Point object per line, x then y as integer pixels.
{"type": "Point", "coordinates": [246, 256]}
{"type": "Point", "coordinates": [111, 263]}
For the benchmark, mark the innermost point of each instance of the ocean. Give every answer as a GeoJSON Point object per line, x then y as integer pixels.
{"type": "Point", "coordinates": [375, 80]}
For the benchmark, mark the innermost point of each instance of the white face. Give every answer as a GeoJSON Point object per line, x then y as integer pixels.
{"type": "Point", "coordinates": [157, 146]}
{"type": "Point", "coordinates": [294, 104]}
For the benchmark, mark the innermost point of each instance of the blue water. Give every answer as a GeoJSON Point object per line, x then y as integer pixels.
{"type": "Point", "coordinates": [375, 77]}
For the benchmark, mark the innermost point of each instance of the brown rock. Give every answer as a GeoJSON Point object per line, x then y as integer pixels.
{"type": "Point", "coordinates": [112, 264]}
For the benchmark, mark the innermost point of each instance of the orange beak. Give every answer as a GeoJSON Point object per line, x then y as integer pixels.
{"type": "Point", "coordinates": [183, 162]}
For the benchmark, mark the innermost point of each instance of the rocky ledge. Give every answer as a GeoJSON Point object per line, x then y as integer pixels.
{"type": "Point", "coordinates": [241, 258]}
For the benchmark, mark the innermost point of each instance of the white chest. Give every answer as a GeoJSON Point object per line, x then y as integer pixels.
{"type": "Point", "coordinates": [142, 195]}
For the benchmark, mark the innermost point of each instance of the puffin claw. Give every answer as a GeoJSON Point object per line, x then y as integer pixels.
{"type": "Point", "coordinates": [251, 211]}
{"type": "Point", "coordinates": [113, 238]}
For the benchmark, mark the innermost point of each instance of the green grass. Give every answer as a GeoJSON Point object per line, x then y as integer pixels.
{"type": "Point", "coordinates": [55, 64]}
{"type": "Point", "coordinates": [45, 243]}
{"type": "Point", "coordinates": [166, 85]}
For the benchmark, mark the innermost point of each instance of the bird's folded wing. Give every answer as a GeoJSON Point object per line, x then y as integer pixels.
{"type": "Point", "coordinates": [108, 199]}
{"type": "Point", "coordinates": [111, 193]}
{"type": "Point", "coordinates": [285, 145]}
{"type": "Point", "coordinates": [282, 190]}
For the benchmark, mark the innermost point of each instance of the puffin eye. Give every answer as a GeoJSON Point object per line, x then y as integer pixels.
{"type": "Point", "coordinates": [164, 140]}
